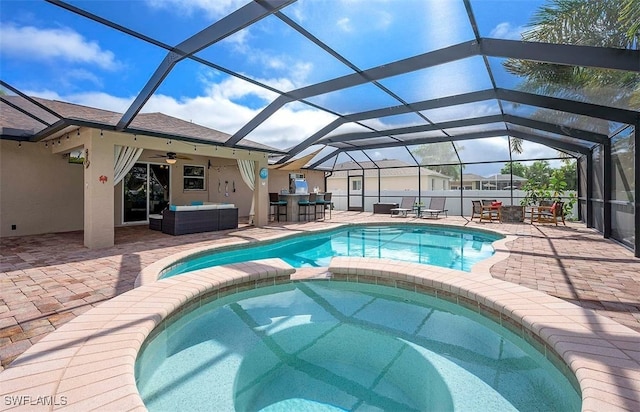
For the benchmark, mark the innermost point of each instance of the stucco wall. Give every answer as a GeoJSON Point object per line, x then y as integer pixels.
{"type": "Point", "coordinates": [221, 179]}
{"type": "Point", "coordinates": [221, 171]}
{"type": "Point", "coordinates": [41, 192]}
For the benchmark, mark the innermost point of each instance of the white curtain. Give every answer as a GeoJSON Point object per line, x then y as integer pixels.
{"type": "Point", "coordinates": [248, 173]}
{"type": "Point", "coordinates": [124, 159]}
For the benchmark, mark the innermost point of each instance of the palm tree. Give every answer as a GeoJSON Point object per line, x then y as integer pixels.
{"type": "Point", "coordinates": [603, 23]}
{"type": "Point", "coordinates": [630, 17]}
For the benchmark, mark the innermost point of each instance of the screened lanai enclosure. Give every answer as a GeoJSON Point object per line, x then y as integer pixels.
{"type": "Point", "coordinates": [465, 99]}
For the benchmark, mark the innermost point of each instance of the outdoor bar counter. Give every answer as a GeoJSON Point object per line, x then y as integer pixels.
{"type": "Point", "coordinates": [292, 205]}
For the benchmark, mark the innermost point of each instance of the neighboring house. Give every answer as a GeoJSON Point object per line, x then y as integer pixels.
{"type": "Point", "coordinates": [57, 169]}
{"type": "Point", "coordinates": [385, 175]}
{"type": "Point", "coordinates": [472, 181]}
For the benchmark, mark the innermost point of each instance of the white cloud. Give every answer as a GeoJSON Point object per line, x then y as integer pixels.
{"type": "Point", "coordinates": [233, 88]}
{"type": "Point", "coordinates": [384, 20]}
{"type": "Point", "coordinates": [364, 16]}
{"type": "Point", "coordinates": [73, 75]}
{"type": "Point", "coordinates": [91, 99]}
{"type": "Point", "coordinates": [212, 8]}
{"type": "Point", "coordinates": [31, 43]}
{"type": "Point", "coordinates": [506, 31]}
{"type": "Point", "coordinates": [218, 108]}
{"type": "Point", "coordinates": [344, 24]}
{"type": "Point", "coordinates": [532, 150]}
{"type": "Point", "coordinates": [292, 73]}
{"type": "Point", "coordinates": [238, 40]}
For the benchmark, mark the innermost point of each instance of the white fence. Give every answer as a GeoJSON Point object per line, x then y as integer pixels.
{"type": "Point", "coordinates": [453, 204]}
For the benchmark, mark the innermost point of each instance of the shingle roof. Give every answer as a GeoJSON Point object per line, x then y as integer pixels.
{"type": "Point", "coordinates": [155, 123]}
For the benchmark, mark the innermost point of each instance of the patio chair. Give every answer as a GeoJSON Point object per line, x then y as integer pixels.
{"type": "Point", "coordinates": [491, 210]}
{"type": "Point", "coordinates": [549, 214]}
{"type": "Point", "coordinates": [436, 206]}
{"type": "Point", "coordinates": [406, 206]}
{"type": "Point", "coordinates": [476, 209]}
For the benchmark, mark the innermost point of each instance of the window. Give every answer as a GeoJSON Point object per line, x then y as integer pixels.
{"type": "Point", "coordinates": [193, 177]}
{"type": "Point", "coordinates": [356, 185]}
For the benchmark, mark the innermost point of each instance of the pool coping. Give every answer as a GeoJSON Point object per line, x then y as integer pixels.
{"type": "Point", "coordinates": [89, 363]}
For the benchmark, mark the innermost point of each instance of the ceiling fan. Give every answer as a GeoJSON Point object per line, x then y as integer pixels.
{"type": "Point", "coordinates": [171, 157]}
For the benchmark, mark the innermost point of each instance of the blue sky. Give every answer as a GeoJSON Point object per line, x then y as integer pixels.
{"type": "Point", "coordinates": [50, 52]}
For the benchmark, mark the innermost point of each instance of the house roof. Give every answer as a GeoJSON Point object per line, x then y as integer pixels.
{"type": "Point", "coordinates": [471, 176]}
{"type": "Point", "coordinates": [47, 117]}
{"type": "Point", "coordinates": [502, 177]}
{"type": "Point", "coordinates": [387, 167]}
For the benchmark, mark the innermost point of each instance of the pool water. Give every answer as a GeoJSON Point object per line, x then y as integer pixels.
{"type": "Point", "coordinates": [445, 247]}
{"type": "Point", "coordinates": [343, 346]}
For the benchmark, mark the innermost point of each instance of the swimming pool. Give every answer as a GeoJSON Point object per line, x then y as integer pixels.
{"type": "Point", "coordinates": [344, 346]}
{"type": "Point", "coordinates": [435, 245]}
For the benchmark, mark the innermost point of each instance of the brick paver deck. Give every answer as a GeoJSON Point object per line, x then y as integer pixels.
{"type": "Point", "coordinates": [47, 280]}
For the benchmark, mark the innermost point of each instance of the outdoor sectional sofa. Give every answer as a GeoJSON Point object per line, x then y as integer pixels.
{"type": "Point", "coordinates": [181, 220]}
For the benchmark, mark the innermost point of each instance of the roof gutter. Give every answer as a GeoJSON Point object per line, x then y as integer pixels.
{"type": "Point", "coordinates": [64, 123]}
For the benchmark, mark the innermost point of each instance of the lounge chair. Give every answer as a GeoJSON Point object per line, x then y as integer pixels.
{"type": "Point", "coordinates": [436, 206]}
{"type": "Point", "coordinates": [406, 206]}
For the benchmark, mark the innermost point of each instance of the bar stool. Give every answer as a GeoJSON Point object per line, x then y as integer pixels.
{"type": "Point", "coordinates": [304, 205]}
{"type": "Point", "coordinates": [328, 202]}
{"type": "Point", "coordinates": [323, 202]}
{"type": "Point", "coordinates": [276, 205]}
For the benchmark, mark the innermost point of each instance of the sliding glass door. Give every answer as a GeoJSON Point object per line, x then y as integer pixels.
{"type": "Point", "coordinates": [146, 191]}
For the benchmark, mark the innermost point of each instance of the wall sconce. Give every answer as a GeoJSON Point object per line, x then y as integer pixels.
{"type": "Point", "coordinates": [209, 164]}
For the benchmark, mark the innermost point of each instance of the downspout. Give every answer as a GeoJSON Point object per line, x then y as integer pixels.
{"type": "Point", "coordinates": [379, 185]}
{"type": "Point", "coordinates": [326, 176]}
